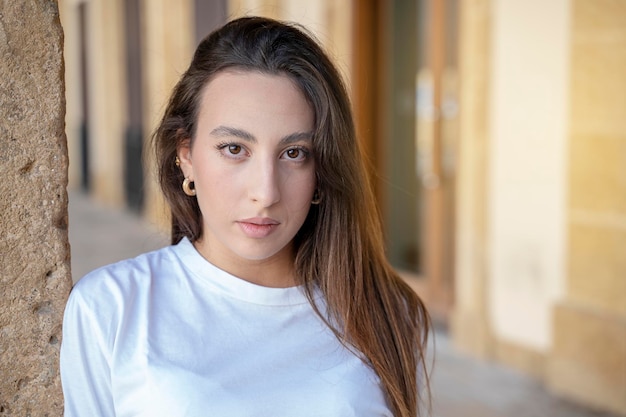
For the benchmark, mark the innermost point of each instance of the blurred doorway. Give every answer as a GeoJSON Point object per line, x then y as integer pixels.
{"type": "Point", "coordinates": [406, 112]}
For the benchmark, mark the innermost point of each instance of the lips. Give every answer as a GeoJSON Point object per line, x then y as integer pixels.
{"type": "Point", "coordinates": [258, 227]}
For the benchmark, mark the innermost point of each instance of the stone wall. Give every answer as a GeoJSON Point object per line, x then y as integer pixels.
{"type": "Point", "coordinates": [34, 249]}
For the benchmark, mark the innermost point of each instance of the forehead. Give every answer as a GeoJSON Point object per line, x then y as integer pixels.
{"type": "Point", "coordinates": [248, 98]}
{"type": "Point", "coordinates": [229, 80]}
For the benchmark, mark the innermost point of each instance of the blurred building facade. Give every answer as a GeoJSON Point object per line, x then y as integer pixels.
{"type": "Point", "coordinates": [540, 279]}
{"type": "Point", "coordinates": [496, 132]}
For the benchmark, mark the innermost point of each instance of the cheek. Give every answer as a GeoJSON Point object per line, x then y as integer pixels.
{"type": "Point", "coordinates": [299, 190]}
{"type": "Point", "coordinates": [212, 177]}
{"type": "Point", "coordinates": [215, 189]}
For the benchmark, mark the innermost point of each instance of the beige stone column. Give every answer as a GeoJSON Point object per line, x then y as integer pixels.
{"type": "Point", "coordinates": [469, 321]}
{"type": "Point", "coordinates": [34, 249]}
{"type": "Point", "coordinates": [168, 48]}
{"type": "Point", "coordinates": [588, 358]}
{"type": "Point", "coordinates": [107, 99]}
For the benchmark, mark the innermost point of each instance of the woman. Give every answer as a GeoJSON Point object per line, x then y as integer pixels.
{"type": "Point", "coordinates": [275, 298]}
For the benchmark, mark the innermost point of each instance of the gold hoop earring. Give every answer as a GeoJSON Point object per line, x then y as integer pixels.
{"type": "Point", "coordinates": [317, 198]}
{"type": "Point", "coordinates": [189, 188]}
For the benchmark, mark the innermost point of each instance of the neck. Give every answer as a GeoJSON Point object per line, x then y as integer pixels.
{"type": "Point", "coordinates": [276, 271]}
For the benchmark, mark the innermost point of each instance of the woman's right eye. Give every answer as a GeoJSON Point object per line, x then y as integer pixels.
{"type": "Point", "coordinates": [234, 149]}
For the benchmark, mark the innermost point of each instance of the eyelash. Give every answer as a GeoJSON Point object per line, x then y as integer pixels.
{"type": "Point", "coordinates": [224, 149]}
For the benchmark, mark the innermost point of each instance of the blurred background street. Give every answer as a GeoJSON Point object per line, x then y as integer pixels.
{"type": "Point", "coordinates": [462, 386]}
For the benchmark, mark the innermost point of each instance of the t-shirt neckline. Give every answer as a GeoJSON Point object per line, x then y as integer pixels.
{"type": "Point", "coordinates": [227, 284]}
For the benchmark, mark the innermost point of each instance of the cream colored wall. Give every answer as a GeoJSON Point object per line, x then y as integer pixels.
{"type": "Point", "coordinates": [527, 168]}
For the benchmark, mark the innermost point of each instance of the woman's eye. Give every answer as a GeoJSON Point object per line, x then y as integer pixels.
{"type": "Point", "coordinates": [293, 153]}
{"type": "Point", "coordinates": [296, 154]}
{"type": "Point", "coordinates": [231, 150]}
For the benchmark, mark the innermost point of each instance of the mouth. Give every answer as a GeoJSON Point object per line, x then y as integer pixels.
{"type": "Point", "coordinates": [257, 227]}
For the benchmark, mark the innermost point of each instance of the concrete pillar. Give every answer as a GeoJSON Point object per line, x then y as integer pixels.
{"type": "Point", "coordinates": [34, 250]}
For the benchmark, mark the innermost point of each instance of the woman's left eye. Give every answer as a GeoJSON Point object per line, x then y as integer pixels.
{"type": "Point", "coordinates": [296, 154]}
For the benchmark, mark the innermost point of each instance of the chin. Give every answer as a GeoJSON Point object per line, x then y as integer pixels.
{"type": "Point", "coordinates": [261, 254]}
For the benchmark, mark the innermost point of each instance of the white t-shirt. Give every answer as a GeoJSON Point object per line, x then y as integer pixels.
{"type": "Point", "coordinates": [169, 334]}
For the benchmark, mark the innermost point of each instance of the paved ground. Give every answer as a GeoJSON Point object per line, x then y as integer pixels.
{"type": "Point", "coordinates": [462, 387]}
{"type": "Point", "coordinates": [100, 236]}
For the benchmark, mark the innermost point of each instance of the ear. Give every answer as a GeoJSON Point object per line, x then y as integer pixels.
{"type": "Point", "coordinates": [184, 154]}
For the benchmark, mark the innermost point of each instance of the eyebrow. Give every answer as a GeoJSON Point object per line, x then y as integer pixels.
{"type": "Point", "coordinates": [227, 131]}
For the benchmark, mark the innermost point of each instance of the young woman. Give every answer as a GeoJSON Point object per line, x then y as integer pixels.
{"type": "Point", "coordinates": [275, 298]}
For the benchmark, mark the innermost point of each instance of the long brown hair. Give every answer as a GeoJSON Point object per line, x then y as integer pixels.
{"type": "Point", "coordinates": [339, 249]}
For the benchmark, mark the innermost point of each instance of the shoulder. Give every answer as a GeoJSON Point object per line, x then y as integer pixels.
{"type": "Point", "coordinates": [107, 296]}
{"type": "Point", "coordinates": [119, 279]}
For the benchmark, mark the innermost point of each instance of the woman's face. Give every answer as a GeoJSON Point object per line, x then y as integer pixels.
{"type": "Point", "coordinates": [253, 167]}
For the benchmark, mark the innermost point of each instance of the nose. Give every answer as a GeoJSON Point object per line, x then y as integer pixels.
{"type": "Point", "coordinates": [264, 184]}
